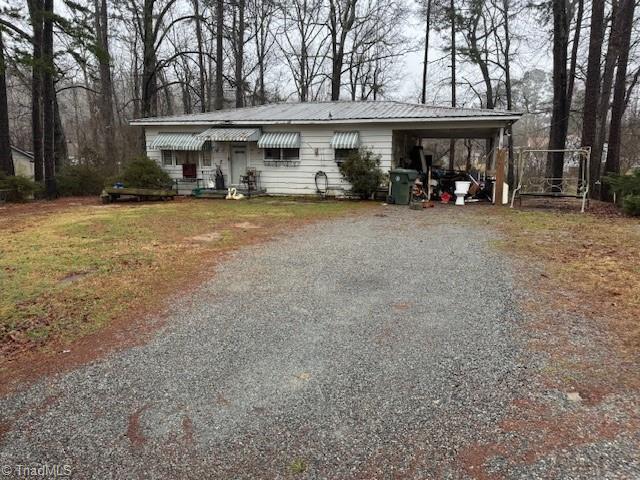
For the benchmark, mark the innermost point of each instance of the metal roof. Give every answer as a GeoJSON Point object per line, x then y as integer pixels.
{"type": "Point", "coordinates": [231, 134]}
{"type": "Point", "coordinates": [177, 141]}
{"type": "Point", "coordinates": [339, 111]}
{"type": "Point", "coordinates": [345, 140]}
{"type": "Point", "coordinates": [279, 140]}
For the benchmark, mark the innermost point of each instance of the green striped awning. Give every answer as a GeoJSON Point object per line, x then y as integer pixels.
{"type": "Point", "coordinates": [231, 134]}
{"type": "Point", "coordinates": [279, 140]}
{"type": "Point", "coordinates": [177, 141]}
{"type": "Point", "coordinates": [345, 140]}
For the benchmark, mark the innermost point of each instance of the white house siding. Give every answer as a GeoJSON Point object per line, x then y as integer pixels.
{"type": "Point", "coordinates": [315, 154]}
{"type": "Point", "coordinates": [22, 164]}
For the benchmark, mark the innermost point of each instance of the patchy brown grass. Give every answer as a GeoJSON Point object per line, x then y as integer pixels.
{"type": "Point", "coordinates": [591, 260]}
{"type": "Point", "coordinates": [583, 275]}
{"type": "Point", "coordinates": [72, 270]}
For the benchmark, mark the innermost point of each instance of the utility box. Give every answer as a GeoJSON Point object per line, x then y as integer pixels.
{"type": "Point", "coordinates": [401, 182]}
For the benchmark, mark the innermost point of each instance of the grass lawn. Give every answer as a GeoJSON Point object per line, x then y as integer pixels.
{"type": "Point", "coordinates": [593, 257]}
{"type": "Point", "coordinates": [67, 270]}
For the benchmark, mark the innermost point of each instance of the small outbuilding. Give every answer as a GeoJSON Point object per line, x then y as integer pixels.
{"type": "Point", "coordinates": [287, 144]}
{"type": "Point", "coordinates": [22, 162]}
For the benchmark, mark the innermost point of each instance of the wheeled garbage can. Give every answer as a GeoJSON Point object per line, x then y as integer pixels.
{"type": "Point", "coordinates": [401, 182]}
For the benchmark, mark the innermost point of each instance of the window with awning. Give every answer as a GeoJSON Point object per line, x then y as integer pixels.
{"type": "Point", "coordinates": [177, 141]}
{"type": "Point", "coordinates": [345, 140]}
{"type": "Point", "coordinates": [231, 134]}
{"type": "Point", "coordinates": [279, 140]}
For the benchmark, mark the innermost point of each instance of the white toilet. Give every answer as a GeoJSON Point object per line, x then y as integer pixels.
{"type": "Point", "coordinates": [462, 188]}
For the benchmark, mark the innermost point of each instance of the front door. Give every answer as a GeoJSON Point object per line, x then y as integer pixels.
{"type": "Point", "coordinates": [238, 164]}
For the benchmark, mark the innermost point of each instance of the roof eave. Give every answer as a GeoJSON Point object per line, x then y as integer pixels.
{"type": "Point", "coordinates": [489, 118]}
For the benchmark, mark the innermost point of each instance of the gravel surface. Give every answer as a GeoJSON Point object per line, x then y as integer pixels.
{"type": "Point", "coordinates": [380, 346]}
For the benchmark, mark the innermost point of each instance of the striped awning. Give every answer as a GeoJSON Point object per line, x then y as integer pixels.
{"type": "Point", "coordinates": [345, 140]}
{"type": "Point", "coordinates": [177, 141]}
{"type": "Point", "coordinates": [231, 134]}
{"type": "Point", "coordinates": [279, 140]}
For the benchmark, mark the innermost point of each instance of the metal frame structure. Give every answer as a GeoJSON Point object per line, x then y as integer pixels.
{"type": "Point", "coordinates": [563, 187]}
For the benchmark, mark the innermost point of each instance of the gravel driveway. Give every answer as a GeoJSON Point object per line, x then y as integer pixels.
{"type": "Point", "coordinates": [379, 346]}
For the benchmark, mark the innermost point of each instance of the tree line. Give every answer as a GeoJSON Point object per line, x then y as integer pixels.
{"type": "Point", "coordinates": [72, 78]}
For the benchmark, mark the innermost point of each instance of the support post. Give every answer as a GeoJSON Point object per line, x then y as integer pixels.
{"type": "Point", "coordinates": [498, 187]}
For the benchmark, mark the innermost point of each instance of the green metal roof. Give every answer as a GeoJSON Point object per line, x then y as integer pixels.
{"type": "Point", "coordinates": [279, 140]}
{"type": "Point", "coordinates": [345, 140]}
{"type": "Point", "coordinates": [231, 134]}
{"type": "Point", "coordinates": [177, 141]}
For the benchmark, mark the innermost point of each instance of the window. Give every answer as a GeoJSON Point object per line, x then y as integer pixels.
{"type": "Point", "coordinates": [290, 153]}
{"type": "Point", "coordinates": [207, 154]}
{"type": "Point", "coordinates": [282, 154]}
{"type": "Point", "coordinates": [272, 154]}
{"type": "Point", "coordinates": [167, 157]}
{"type": "Point", "coordinates": [341, 154]}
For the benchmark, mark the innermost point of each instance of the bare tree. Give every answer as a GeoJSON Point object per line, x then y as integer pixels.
{"type": "Point", "coordinates": [342, 17]}
{"type": "Point", "coordinates": [423, 96]}
{"type": "Point", "coordinates": [612, 164]}
{"type": "Point", "coordinates": [219, 100]}
{"type": "Point", "coordinates": [6, 159]}
{"type": "Point", "coordinates": [560, 110]}
{"type": "Point", "coordinates": [304, 43]}
{"type": "Point", "coordinates": [592, 85]}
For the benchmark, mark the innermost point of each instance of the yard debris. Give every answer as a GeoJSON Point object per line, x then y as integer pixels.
{"type": "Point", "coordinates": [574, 397]}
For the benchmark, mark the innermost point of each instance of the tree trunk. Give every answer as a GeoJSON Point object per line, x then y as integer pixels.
{"type": "Point", "coordinates": [340, 24]}
{"type": "Point", "coordinates": [452, 142]}
{"type": "Point", "coordinates": [239, 51]}
{"type": "Point", "coordinates": [508, 91]}
{"type": "Point", "coordinates": [149, 74]}
{"type": "Point", "coordinates": [560, 111]}
{"type": "Point", "coordinates": [48, 102]}
{"type": "Point", "coordinates": [36, 14]}
{"type": "Point", "coordinates": [612, 164]}
{"type": "Point", "coordinates": [60, 140]}
{"type": "Point", "coordinates": [6, 159]}
{"type": "Point", "coordinates": [613, 49]}
{"type": "Point", "coordinates": [201, 66]}
{"type": "Point", "coordinates": [219, 101]}
{"type": "Point", "coordinates": [423, 96]}
{"type": "Point", "coordinates": [592, 86]}
{"type": "Point", "coordinates": [108, 154]}
{"type": "Point", "coordinates": [574, 53]}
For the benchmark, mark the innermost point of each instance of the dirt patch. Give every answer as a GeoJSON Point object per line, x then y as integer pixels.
{"type": "Point", "coordinates": [73, 277]}
{"type": "Point", "coordinates": [135, 432]}
{"type": "Point", "coordinates": [246, 225]}
{"type": "Point", "coordinates": [207, 237]}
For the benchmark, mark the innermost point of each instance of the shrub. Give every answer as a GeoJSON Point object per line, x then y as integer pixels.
{"type": "Point", "coordinates": [628, 188]}
{"type": "Point", "coordinates": [20, 188]}
{"type": "Point", "coordinates": [362, 170]}
{"type": "Point", "coordinates": [80, 180]}
{"type": "Point", "coordinates": [624, 185]}
{"type": "Point", "coordinates": [142, 172]}
{"type": "Point", "coordinates": [631, 205]}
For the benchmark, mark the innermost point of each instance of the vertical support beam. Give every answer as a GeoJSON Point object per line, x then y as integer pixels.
{"type": "Point", "coordinates": [500, 176]}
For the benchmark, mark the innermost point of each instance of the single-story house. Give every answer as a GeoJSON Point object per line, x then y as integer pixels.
{"type": "Point", "coordinates": [22, 162]}
{"type": "Point", "coordinates": [289, 143]}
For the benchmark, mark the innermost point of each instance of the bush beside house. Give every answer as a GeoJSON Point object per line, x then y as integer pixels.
{"type": "Point", "coordinates": [362, 170]}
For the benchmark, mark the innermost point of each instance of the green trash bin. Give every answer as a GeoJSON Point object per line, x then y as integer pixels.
{"type": "Point", "coordinates": [401, 183]}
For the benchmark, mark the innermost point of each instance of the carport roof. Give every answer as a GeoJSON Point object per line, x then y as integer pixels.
{"type": "Point", "coordinates": [332, 112]}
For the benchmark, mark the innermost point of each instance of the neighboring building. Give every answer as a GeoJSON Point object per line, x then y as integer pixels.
{"type": "Point", "coordinates": [288, 143]}
{"type": "Point", "coordinates": [22, 162]}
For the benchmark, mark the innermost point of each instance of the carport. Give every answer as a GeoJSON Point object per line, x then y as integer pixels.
{"type": "Point", "coordinates": [488, 129]}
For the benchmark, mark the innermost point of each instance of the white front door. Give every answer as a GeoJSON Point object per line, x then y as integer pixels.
{"type": "Point", "coordinates": [238, 164]}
